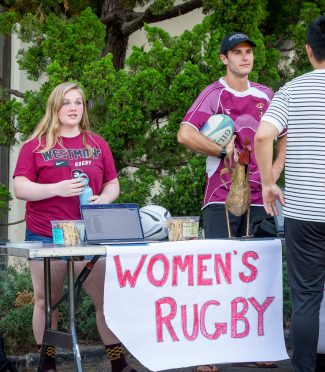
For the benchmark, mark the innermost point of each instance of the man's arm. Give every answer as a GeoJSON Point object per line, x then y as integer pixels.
{"type": "Point", "coordinates": [263, 145]}
{"type": "Point", "coordinates": [279, 161]}
{"type": "Point", "coordinates": [197, 142]}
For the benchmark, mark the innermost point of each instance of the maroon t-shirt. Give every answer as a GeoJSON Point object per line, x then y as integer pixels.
{"type": "Point", "coordinates": [64, 161]}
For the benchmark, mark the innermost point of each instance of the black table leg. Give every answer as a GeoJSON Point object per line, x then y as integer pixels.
{"type": "Point", "coordinates": [72, 324]}
{"type": "Point", "coordinates": [48, 310]}
{"type": "Point", "coordinates": [55, 338]}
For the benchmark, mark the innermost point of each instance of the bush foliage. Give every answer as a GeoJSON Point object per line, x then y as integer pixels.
{"type": "Point", "coordinates": [16, 310]}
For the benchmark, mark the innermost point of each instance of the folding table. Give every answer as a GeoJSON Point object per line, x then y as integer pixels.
{"type": "Point", "coordinates": [71, 254]}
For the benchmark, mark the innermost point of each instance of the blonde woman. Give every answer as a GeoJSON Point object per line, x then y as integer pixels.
{"type": "Point", "coordinates": [46, 176]}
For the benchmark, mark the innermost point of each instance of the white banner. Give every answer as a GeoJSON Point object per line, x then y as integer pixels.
{"type": "Point", "coordinates": [180, 304]}
{"type": "Point", "coordinates": [321, 340]}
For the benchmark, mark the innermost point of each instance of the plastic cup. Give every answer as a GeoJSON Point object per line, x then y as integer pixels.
{"type": "Point", "coordinates": [183, 228]}
{"type": "Point", "coordinates": [68, 232]}
{"type": "Point", "coordinates": [80, 225]}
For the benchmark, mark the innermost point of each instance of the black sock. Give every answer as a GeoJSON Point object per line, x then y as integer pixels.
{"type": "Point", "coordinates": [115, 354]}
{"type": "Point", "coordinates": [49, 361]}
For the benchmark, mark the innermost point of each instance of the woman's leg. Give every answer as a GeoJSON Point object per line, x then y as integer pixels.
{"type": "Point", "coordinates": [94, 287]}
{"type": "Point", "coordinates": [58, 269]}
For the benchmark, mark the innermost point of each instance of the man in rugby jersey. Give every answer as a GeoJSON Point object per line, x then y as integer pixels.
{"type": "Point", "coordinates": [299, 106]}
{"type": "Point", "coordinates": [244, 102]}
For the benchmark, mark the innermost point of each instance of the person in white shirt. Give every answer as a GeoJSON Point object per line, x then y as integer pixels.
{"type": "Point", "coordinates": [299, 106]}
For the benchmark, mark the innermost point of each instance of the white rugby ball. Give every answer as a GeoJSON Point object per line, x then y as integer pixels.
{"type": "Point", "coordinates": [153, 219]}
{"type": "Point", "coordinates": [219, 128]}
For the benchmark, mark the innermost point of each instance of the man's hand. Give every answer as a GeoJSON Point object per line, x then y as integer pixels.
{"type": "Point", "coordinates": [230, 147]}
{"type": "Point", "coordinates": [270, 195]}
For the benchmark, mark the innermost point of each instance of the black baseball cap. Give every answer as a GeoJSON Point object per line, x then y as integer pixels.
{"type": "Point", "coordinates": [232, 39]}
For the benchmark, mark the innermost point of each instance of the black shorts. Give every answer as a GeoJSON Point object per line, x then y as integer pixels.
{"type": "Point", "coordinates": [215, 223]}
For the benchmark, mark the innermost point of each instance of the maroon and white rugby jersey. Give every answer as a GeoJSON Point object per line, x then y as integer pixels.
{"type": "Point", "coordinates": [246, 109]}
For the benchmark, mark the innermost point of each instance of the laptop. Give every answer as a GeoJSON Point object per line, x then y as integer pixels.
{"type": "Point", "coordinates": [112, 224]}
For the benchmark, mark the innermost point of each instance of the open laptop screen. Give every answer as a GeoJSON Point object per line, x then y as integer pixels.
{"type": "Point", "coordinates": [111, 222]}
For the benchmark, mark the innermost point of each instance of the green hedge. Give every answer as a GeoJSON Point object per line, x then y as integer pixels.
{"type": "Point", "coordinates": [16, 316]}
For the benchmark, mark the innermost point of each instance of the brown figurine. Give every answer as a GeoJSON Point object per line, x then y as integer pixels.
{"type": "Point", "coordinates": [238, 200]}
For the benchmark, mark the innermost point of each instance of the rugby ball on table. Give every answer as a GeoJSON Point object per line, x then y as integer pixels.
{"type": "Point", "coordinates": [219, 128]}
{"type": "Point", "coordinates": [153, 219]}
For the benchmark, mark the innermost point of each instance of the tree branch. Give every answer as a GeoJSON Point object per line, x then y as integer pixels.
{"type": "Point", "coordinates": [15, 92]}
{"type": "Point", "coordinates": [11, 91]}
{"type": "Point", "coordinates": [159, 114]}
{"type": "Point", "coordinates": [147, 17]}
{"type": "Point", "coordinates": [11, 223]}
{"type": "Point", "coordinates": [137, 164]}
{"type": "Point", "coordinates": [111, 17]}
{"type": "Point", "coordinates": [108, 19]}
{"type": "Point", "coordinates": [133, 21]}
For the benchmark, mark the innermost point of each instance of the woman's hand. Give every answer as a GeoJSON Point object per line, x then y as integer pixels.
{"type": "Point", "coordinates": [97, 199]}
{"type": "Point", "coordinates": [25, 189]}
{"type": "Point", "coordinates": [72, 187]}
{"type": "Point", "coordinates": [109, 193]}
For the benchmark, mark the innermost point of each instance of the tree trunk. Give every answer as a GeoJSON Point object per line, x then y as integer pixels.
{"type": "Point", "coordinates": [122, 21]}
{"type": "Point", "coordinates": [117, 45]}
{"type": "Point", "coordinates": [115, 42]}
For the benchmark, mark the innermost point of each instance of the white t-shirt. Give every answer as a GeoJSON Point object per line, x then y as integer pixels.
{"type": "Point", "coordinates": [299, 106]}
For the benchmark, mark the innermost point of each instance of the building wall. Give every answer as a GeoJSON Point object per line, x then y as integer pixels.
{"type": "Point", "coordinates": [175, 26]}
{"type": "Point", "coordinates": [5, 65]}
{"type": "Point", "coordinates": [19, 82]}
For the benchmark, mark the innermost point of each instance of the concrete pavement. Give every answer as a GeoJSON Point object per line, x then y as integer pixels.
{"type": "Point", "coordinates": [94, 360]}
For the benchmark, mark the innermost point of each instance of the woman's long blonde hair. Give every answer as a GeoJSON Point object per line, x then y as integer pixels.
{"type": "Point", "coordinates": [48, 129]}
